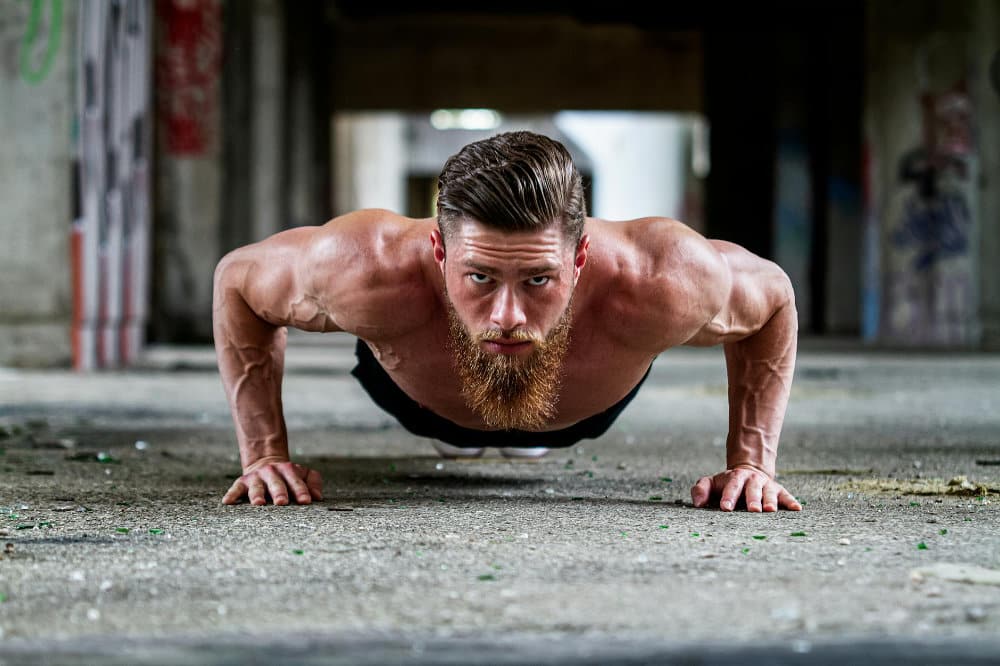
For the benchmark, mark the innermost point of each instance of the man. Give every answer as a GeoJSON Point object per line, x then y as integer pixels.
{"type": "Point", "coordinates": [511, 320]}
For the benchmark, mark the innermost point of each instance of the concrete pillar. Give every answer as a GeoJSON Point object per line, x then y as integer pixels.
{"type": "Point", "coordinates": [923, 126]}
{"type": "Point", "coordinates": [617, 141]}
{"type": "Point", "coordinates": [308, 114]}
{"type": "Point", "coordinates": [985, 91]}
{"type": "Point", "coordinates": [189, 192]}
{"type": "Point", "coordinates": [267, 193]}
{"type": "Point", "coordinates": [37, 43]}
{"type": "Point", "coordinates": [370, 161]}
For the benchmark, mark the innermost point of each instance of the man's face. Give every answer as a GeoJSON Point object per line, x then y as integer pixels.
{"type": "Point", "coordinates": [508, 296]}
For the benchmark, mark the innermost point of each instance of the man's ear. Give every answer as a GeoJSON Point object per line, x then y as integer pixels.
{"type": "Point", "coordinates": [581, 257]}
{"type": "Point", "coordinates": [437, 244]}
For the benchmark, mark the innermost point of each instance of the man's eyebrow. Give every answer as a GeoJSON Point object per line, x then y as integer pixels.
{"type": "Point", "coordinates": [537, 269]}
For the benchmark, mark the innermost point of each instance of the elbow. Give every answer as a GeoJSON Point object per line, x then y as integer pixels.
{"type": "Point", "coordinates": [785, 299]}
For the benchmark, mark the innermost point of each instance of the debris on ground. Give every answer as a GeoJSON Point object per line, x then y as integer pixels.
{"type": "Point", "coordinates": [957, 573]}
{"type": "Point", "coordinates": [959, 486]}
{"type": "Point", "coordinates": [826, 472]}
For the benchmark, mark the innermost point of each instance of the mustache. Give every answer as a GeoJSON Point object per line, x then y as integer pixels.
{"type": "Point", "coordinates": [517, 335]}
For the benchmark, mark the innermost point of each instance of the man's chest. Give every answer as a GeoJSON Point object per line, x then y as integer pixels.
{"type": "Point", "coordinates": [595, 375]}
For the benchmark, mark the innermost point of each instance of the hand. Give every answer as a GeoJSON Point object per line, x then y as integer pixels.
{"type": "Point", "coordinates": [274, 478]}
{"type": "Point", "coordinates": [762, 493]}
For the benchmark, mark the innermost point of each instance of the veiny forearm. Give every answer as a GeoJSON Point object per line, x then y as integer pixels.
{"type": "Point", "coordinates": [760, 369]}
{"type": "Point", "coordinates": [250, 353]}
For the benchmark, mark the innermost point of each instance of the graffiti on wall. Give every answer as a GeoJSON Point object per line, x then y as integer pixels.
{"type": "Point", "coordinates": [188, 65]}
{"type": "Point", "coordinates": [110, 240]}
{"type": "Point", "coordinates": [30, 37]}
{"type": "Point", "coordinates": [931, 297]}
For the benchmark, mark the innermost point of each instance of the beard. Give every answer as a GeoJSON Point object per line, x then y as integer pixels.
{"type": "Point", "coordinates": [509, 392]}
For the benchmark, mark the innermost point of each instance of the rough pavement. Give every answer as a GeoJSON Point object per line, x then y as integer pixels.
{"type": "Point", "coordinates": [110, 486]}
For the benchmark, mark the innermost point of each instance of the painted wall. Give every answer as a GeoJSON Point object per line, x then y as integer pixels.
{"type": "Point", "coordinates": [923, 130]}
{"type": "Point", "coordinates": [37, 40]}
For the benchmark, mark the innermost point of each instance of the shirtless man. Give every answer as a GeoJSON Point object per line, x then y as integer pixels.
{"type": "Point", "coordinates": [511, 320]}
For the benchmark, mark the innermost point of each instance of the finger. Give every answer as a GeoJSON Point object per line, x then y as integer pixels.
{"type": "Point", "coordinates": [785, 500]}
{"type": "Point", "coordinates": [256, 491]}
{"type": "Point", "coordinates": [731, 492]}
{"type": "Point", "coordinates": [315, 483]}
{"type": "Point", "coordinates": [753, 491]}
{"type": "Point", "coordinates": [701, 491]}
{"type": "Point", "coordinates": [275, 485]}
{"type": "Point", "coordinates": [771, 496]}
{"type": "Point", "coordinates": [293, 478]}
{"type": "Point", "coordinates": [235, 492]}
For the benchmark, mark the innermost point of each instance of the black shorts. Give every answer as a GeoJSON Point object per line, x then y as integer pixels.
{"type": "Point", "coordinates": [420, 421]}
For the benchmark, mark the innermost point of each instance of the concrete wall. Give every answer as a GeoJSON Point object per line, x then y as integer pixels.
{"type": "Point", "coordinates": [36, 181]}
{"type": "Point", "coordinates": [933, 171]}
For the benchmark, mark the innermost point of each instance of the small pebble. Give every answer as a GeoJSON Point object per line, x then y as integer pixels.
{"type": "Point", "coordinates": [93, 615]}
{"type": "Point", "coordinates": [142, 445]}
{"type": "Point", "coordinates": [105, 585]}
{"type": "Point", "coordinates": [845, 542]}
{"type": "Point", "coordinates": [975, 614]}
{"type": "Point", "coordinates": [439, 466]}
{"type": "Point", "coordinates": [622, 465]}
{"type": "Point", "coordinates": [550, 491]}
{"type": "Point", "coordinates": [77, 576]}
{"type": "Point", "coordinates": [841, 563]}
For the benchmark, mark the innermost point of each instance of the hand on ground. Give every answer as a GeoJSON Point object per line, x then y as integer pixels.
{"type": "Point", "coordinates": [281, 481]}
{"type": "Point", "coordinates": [760, 492]}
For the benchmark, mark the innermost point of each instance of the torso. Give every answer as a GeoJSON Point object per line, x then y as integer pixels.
{"type": "Point", "coordinates": [614, 339]}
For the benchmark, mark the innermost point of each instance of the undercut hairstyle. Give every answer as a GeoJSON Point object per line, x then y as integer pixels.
{"type": "Point", "coordinates": [515, 181]}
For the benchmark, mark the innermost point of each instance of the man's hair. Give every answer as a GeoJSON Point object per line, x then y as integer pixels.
{"type": "Point", "coordinates": [515, 181]}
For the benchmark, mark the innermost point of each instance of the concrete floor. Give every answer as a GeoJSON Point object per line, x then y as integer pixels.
{"type": "Point", "coordinates": [592, 555]}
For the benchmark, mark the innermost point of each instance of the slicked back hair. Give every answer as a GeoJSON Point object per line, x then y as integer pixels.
{"type": "Point", "coordinates": [515, 181]}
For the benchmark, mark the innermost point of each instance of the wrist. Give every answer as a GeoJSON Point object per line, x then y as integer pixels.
{"type": "Point", "coordinates": [767, 471]}
{"type": "Point", "coordinates": [263, 461]}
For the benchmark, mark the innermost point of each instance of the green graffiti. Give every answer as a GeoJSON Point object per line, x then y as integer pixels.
{"type": "Point", "coordinates": [31, 37]}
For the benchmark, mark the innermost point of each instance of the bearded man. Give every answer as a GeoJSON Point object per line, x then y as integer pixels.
{"type": "Point", "coordinates": [511, 320]}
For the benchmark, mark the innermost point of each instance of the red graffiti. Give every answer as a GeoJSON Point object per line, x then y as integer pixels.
{"type": "Point", "coordinates": [188, 65]}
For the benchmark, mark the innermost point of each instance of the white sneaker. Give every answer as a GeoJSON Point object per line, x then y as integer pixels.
{"type": "Point", "coordinates": [449, 451]}
{"type": "Point", "coordinates": [530, 453]}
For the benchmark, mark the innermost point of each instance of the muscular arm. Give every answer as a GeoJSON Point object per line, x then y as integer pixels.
{"type": "Point", "coordinates": [348, 275]}
{"type": "Point", "coordinates": [259, 290]}
{"type": "Point", "coordinates": [758, 327]}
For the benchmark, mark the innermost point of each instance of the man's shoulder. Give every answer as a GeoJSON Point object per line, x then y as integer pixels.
{"type": "Point", "coordinates": [650, 250]}
{"type": "Point", "coordinates": [669, 279]}
{"type": "Point", "coordinates": [378, 265]}
{"type": "Point", "coordinates": [371, 226]}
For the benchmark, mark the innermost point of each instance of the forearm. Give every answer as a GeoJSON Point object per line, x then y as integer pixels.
{"type": "Point", "coordinates": [250, 354]}
{"type": "Point", "coordinates": [760, 369]}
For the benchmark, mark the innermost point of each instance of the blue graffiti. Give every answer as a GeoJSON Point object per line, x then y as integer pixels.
{"type": "Point", "coordinates": [938, 227]}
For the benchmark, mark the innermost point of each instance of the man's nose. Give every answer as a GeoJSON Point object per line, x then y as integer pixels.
{"type": "Point", "coordinates": [508, 314]}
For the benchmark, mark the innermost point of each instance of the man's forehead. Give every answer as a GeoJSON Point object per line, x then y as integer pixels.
{"type": "Point", "coordinates": [473, 231]}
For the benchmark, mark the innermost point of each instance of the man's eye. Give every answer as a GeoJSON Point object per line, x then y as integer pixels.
{"type": "Point", "coordinates": [479, 278]}
{"type": "Point", "coordinates": [538, 280]}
